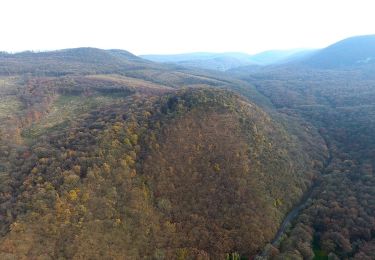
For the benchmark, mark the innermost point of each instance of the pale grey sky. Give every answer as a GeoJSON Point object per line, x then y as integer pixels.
{"type": "Point", "coordinates": [176, 26]}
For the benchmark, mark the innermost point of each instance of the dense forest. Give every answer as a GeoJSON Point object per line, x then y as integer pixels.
{"type": "Point", "coordinates": [104, 155]}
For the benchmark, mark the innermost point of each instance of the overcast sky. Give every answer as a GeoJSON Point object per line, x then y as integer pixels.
{"type": "Point", "coordinates": [175, 26]}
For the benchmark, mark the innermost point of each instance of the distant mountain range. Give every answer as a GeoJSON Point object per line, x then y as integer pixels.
{"type": "Point", "coordinates": [229, 60]}
{"type": "Point", "coordinates": [348, 53]}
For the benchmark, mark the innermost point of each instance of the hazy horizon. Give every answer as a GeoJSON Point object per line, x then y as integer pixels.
{"type": "Point", "coordinates": [173, 27]}
{"type": "Point", "coordinates": [162, 54]}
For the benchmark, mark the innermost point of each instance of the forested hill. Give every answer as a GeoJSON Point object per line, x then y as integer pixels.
{"type": "Point", "coordinates": [105, 154]}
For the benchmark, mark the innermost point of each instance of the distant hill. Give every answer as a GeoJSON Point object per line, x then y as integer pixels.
{"type": "Point", "coordinates": [70, 61]}
{"type": "Point", "coordinates": [217, 63]}
{"type": "Point", "coordinates": [205, 60]}
{"type": "Point", "coordinates": [280, 56]}
{"type": "Point", "coordinates": [174, 58]}
{"type": "Point", "coordinates": [351, 52]}
{"type": "Point", "coordinates": [229, 60]}
{"type": "Point", "coordinates": [84, 54]}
